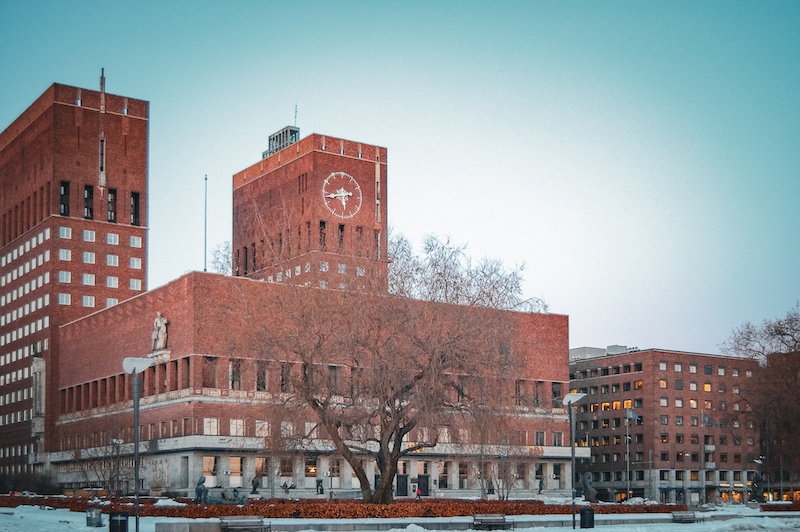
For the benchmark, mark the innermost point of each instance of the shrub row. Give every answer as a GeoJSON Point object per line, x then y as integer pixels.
{"type": "Point", "coordinates": [319, 509]}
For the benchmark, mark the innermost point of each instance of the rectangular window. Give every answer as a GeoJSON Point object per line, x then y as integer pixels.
{"type": "Point", "coordinates": [65, 254]}
{"type": "Point", "coordinates": [135, 218]}
{"type": "Point", "coordinates": [64, 199]}
{"type": "Point", "coordinates": [112, 260]}
{"type": "Point", "coordinates": [112, 206]}
{"type": "Point", "coordinates": [211, 426]}
{"type": "Point", "coordinates": [64, 277]}
{"type": "Point", "coordinates": [111, 301]}
{"type": "Point", "coordinates": [692, 368]}
{"type": "Point", "coordinates": [112, 282]}
{"type": "Point", "coordinates": [662, 383]}
{"type": "Point", "coordinates": [88, 279]}
{"type": "Point", "coordinates": [322, 235]}
{"type": "Point", "coordinates": [136, 263]}
{"type": "Point", "coordinates": [135, 284]}
{"type": "Point", "coordinates": [662, 366]}
{"type": "Point", "coordinates": [112, 239]}
{"type": "Point", "coordinates": [88, 301]}
{"type": "Point", "coordinates": [678, 367]}
{"type": "Point", "coordinates": [88, 235]}
{"type": "Point", "coordinates": [64, 299]}
{"type": "Point", "coordinates": [237, 427]}
{"type": "Point", "coordinates": [88, 202]}
{"type": "Point", "coordinates": [65, 232]}
{"type": "Point", "coordinates": [88, 257]}
{"type": "Point", "coordinates": [136, 241]}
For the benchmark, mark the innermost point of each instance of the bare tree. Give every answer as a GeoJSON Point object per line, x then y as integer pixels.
{"type": "Point", "coordinates": [371, 368]}
{"type": "Point", "coordinates": [781, 335]}
{"type": "Point", "coordinates": [222, 258]}
{"type": "Point", "coordinates": [445, 273]}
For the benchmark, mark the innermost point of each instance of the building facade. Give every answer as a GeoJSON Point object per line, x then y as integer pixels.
{"type": "Point", "coordinates": [687, 438]}
{"type": "Point", "coordinates": [213, 410]}
{"type": "Point", "coordinates": [313, 211]}
{"type": "Point", "coordinates": [73, 171]}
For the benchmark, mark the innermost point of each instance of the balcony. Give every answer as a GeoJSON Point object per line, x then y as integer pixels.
{"type": "Point", "coordinates": [710, 448]}
{"type": "Point", "coordinates": [711, 465]}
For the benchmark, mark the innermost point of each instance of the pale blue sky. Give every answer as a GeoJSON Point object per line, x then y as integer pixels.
{"type": "Point", "coordinates": [641, 158]}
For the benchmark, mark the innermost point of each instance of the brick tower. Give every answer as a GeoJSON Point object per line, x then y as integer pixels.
{"type": "Point", "coordinates": [312, 212]}
{"type": "Point", "coordinates": [73, 175]}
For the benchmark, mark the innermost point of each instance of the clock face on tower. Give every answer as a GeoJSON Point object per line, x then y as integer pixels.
{"type": "Point", "coordinates": [342, 194]}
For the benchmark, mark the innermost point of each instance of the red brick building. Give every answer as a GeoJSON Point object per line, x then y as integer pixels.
{"type": "Point", "coordinates": [206, 407]}
{"type": "Point", "coordinates": [73, 218]}
{"type": "Point", "coordinates": [692, 442]}
{"type": "Point", "coordinates": [313, 212]}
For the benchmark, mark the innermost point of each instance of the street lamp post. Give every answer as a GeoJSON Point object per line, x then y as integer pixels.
{"type": "Point", "coordinates": [569, 401]}
{"type": "Point", "coordinates": [134, 366]}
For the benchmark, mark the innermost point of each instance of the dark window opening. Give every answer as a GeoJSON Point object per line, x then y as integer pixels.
{"type": "Point", "coordinates": [64, 200]}
{"type": "Point", "coordinates": [112, 205]}
{"type": "Point", "coordinates": [341, 238]}
{"type": "Point", "coordinates": [322, 235]}
{"type": "Point", "coordinates": [88, 202]}
{"type": "Point", "coordinates": [135, 219]}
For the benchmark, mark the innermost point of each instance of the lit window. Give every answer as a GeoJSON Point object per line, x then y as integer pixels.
{"type": "Point", "coordinates": [662, 366]}
{"type": "Point", "coordinates": [692, 368]}
{"type": "Point", "coordinates": [707, 387]}
{"type": "Point", "coordinates": [678, 367]}
{"type": "Point", "coordinates": [678, 402]}
{"type": "Point", "coordinates": [662, 383]}
{"type": "Point", "coordinates": [692, 403]}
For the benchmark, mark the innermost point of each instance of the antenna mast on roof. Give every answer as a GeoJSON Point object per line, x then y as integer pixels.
{"type": "Point", "coordinates": [295, 115]}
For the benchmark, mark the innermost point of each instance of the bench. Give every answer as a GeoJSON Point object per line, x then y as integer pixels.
{"type": "Point", "coordinates": [244, 523]}
{"type": "Point", "coordinates": [491, 522]}
{"type": "Point", "coordinates": [686, 517]}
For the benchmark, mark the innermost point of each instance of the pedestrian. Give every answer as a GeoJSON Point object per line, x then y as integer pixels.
{"type": "Point", "coordinates": [419, 493]}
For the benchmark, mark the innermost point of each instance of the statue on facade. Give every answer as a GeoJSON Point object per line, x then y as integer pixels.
{"type": "Point", "coordinates": [255, 486]}
{"type": "Point", "coordinates": [589, 493]}
{"type": "Point", "coordinates": [159, 335]}
{"type": "Point", "coordinates": [201, 491]}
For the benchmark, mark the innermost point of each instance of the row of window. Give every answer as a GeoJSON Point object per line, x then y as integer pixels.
{"type": "Point", "coordinates": [694, 475]}
{"type": "Point", "coordinates": [89, 257]}
{"type": "Point", "coordinates": [20, 416]}
{"type": "Point", "coordinates": [23, 352]}
{"type": "Point", "coordinates": [707, 403]}
{"type": "Point", "coordinates": [88, 199]}
{"type": "Point", "coordinates": [707, 369]}
{"type": "Point", "coordinates": [613, 388]}
{"type": "Point", "coordinates": [694, 439]}
{"type": "Point", "coordinates": [324, 266]}
{"type": "Point", "coordinates": [611, 405]}
{"type": "Point", "coordinates": [25, 330]}
{"type": "Point", "coordinates": [24, 310]}
{"type": "Point", "coordinates": [24, 247]}
{"type": "Point", "coordinates": [89, 235]}
{"type": "Point", "coordinates": [90, 301]}
{"type": "Point", "coordinates": [693, 386]}
{"type": "Point", "coordinates": [89, 279]}
{"type": "Point", "coordinates": [606, 371]}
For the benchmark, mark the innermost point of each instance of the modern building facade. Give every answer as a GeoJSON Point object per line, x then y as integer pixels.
{"type": "Point", "coordinates": [73, 175]}
{"type": "Point", "coordinates": [687, 438]}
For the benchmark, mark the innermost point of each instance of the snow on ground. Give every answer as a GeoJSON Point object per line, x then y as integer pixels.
{"type": "Point", "coordinates": [742, 519]}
